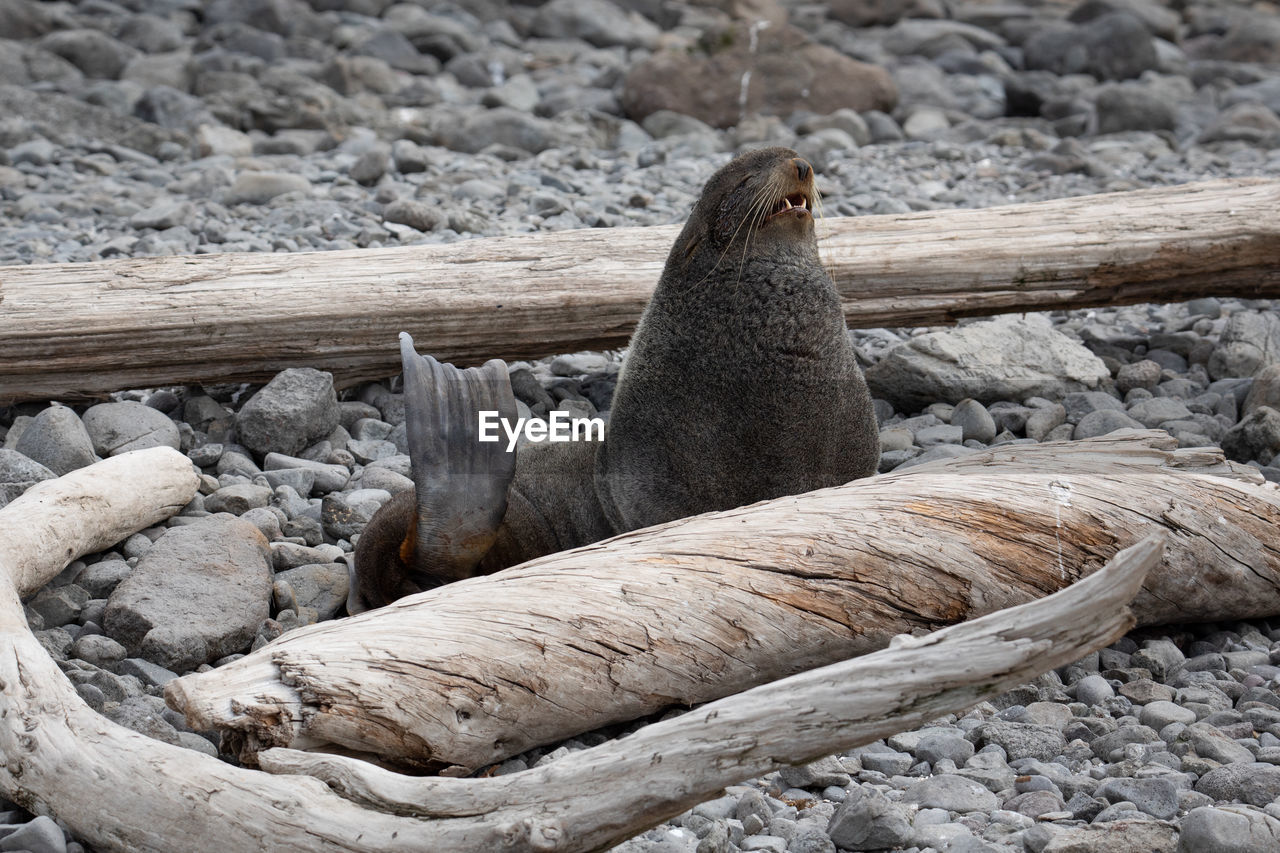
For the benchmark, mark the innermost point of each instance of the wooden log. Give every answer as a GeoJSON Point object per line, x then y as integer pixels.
{"type": "Point", "coordinates": [122, 791]}
{"type": "Point", "coordinates": [79, 330]}
{"type": "Point", "coordinates": [686, 612]}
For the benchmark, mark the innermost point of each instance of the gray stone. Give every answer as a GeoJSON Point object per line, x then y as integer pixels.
{"type": "Point", "coordinates": [146, 671]}
{"type": "Point", "coordinates": [1139, 374]}
{"type": "Point", "coordinates": [199, 594]}
{"type": "Point", "coordinates": [409, 157]}
{"type": "Point", "coordinates": [116, 428]}
{"type": "Point", "coordinates": [141, 714]}
{"type": "Point", "coordinates": [1115, 46]}
{"type": "Point", "coordinates": [1093, 690]}
{"type": "Point", "coordinates": [889, 762]}
{"type": "Point", "coordinates": [974, 420]}
{"type": "Point", "coordinates": [172, 108]}
{"type": "Point", "coordinates": [59, 605]}
{"type": "Point", "coordinates": [1250, 342]}
{"type": "Point", "coordinates": [1156, 796]}
{"type": "Point", "coordinates": [502, 126]}
{"type": "Point", "coordinates": [1151, 413]}
{"type": "Point", "coordinates": [1161, 657]}
{"type": "Point", "coordinates": [238, 498]}
{"type": "Point", "coordinates": [1106, 744]}
{"type": "Point", "coordinates": [1229, 829]}
{"type": "Point", "coordinates": [295, 409]}
{"type": "Point", "coordinates": [98, 650]}
{"type": "Point", "coordinates": [1265, 390]}
{"type": "Point", "coordinates": [19, 473]}
{"type": "Point", "coordinates": [1244, 122]}
{"type": "Point", "coordinates": [343, 519]}
{"type": "Point", "coordinates": [818, 774]}
{"type": "Point", "coordinates": [811, 839]}
{"type": "Point", "coordinates": [597, 22]}
{"type": "Point", "coordinates": [1122, 836]}
{"type": "Point", "coordinates": [215, 140]}
{"type": "Point", "coordinates": [1102, 422]}
{"type": "Point", "coordinates": [1044, 420]}
{"type": "Point", "coordinates": [1082, 403]}
{"type": "Point", "coordinates": [166, 213]}
{"type": "Point", "coordinates": [57, 439]}
{"type": "Point", "coordinates": [1257, 436]}
{"type": "Point", "coordinates": [951, 792]}
{"type": "Point", "coordinates": [261, 187]}
{"type": "Point", "coordinates": [1253, 783]}
{"type": "Point", "coordinates": [955, 748]}
{"type": "Point", "coordinates": [320, 586]}
{"type": "Point", "coordinates": [287, 555]}
{"type": "Point", "coordinates": [1024, 740]}
{"type": "Point", "coordinates": [1133, 107]}
{"type": "Point", "coordinates": [867, 820]}
{"type": "Point", "coordinates": [94, 52]}
{"type": "Point", "coordinates": [1008, 357]}
{"type": "Point", "coordinates": [377, 477]}
{"type": "Point", "coordinates": [40, 835]}
{"type": "Point", "coordinates": [1159, 714]}
{"type": "Point", "coordinates": [1033, 804]}
{"type": "Point", "coordinates": [370, 166]}
{"type": "Point", "coordinates": [416, 214]}
{"type": "Point", "coordinates": [100, 578]}
{"type": "Point", "coordinates": [1210, 743]}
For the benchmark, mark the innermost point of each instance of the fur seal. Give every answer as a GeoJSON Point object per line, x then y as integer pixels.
{"type": "Point", "coordinates": [739, 385]}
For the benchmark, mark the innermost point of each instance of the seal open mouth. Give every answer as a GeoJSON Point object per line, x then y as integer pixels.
{"type": "Point", "coordinates": [796, 201]}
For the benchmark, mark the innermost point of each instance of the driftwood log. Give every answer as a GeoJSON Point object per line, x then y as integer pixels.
{"type": "Point", "coordinates": [215, 318]}
{"type": "Point", "coordinates": [122, 791]}
{"type": "Point", "coordinates": [687, 612]}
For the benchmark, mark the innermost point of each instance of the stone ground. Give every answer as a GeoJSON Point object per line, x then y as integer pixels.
{"type": "Point", "coordinates": [155, 127]}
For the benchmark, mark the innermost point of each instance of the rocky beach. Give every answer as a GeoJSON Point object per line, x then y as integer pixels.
{"type": "Point", "coordinates": [169, 127]}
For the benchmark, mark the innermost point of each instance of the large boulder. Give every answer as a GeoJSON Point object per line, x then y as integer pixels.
{"type": "Point", "coordinates": [776, 70]}
{"type": "Point", "coordinates": [198, 594]}
{"type": "Point", "coordinates": [1006, 358]}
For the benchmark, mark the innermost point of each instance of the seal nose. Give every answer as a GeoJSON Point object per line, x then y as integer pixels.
{"type": "Point", "coordinates": [803, 169]}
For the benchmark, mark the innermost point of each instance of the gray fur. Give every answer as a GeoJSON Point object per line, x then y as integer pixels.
{"type": "Point", "coordinates": [740, 384]}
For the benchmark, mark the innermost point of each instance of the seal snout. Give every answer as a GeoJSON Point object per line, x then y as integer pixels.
{"type": "Point", "coordinates": [803, 169]}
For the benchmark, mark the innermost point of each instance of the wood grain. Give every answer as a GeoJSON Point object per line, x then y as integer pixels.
{"type": "Point", "coordinates": [82, 330]}
{"type": "Point", "coordinates": [690, 611]}
{"type": "Point", "coordinates": [122, 791]}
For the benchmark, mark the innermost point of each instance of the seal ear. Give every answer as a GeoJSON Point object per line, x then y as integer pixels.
{"type": "Point", "coordinates": [460, 482]}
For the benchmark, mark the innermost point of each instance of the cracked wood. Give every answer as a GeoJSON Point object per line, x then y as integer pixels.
{"type": "Point", "coordinates": [477, 671]}
{"type": "Point", "coordinates": [244, 317]}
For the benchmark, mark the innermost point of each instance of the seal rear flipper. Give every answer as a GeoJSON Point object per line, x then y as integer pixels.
{"type": "Point", "coordinates": [460, 481]}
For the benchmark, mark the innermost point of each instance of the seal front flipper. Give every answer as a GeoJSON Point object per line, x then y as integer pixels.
{"type": "Point", "coordinates": [440, 532]}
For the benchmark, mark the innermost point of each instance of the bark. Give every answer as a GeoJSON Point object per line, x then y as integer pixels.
{"type": "Point", "coordinates": [218, 318]}
{"type": "Point", "coordinates": [477, 671]}
{"type": "Point", "coordinates": [122, 791]}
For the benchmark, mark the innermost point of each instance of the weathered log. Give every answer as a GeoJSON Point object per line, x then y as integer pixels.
{"type": "Point", "coordinates": [122, 791]}
{"type": "Point", "coordinates": [686, 612]}
{"type": "Point", "coordinates": [243, 317]}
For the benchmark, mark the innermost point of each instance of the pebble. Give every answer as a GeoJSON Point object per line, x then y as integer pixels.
{"type": "Point", "coordinates": [131, 137]}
